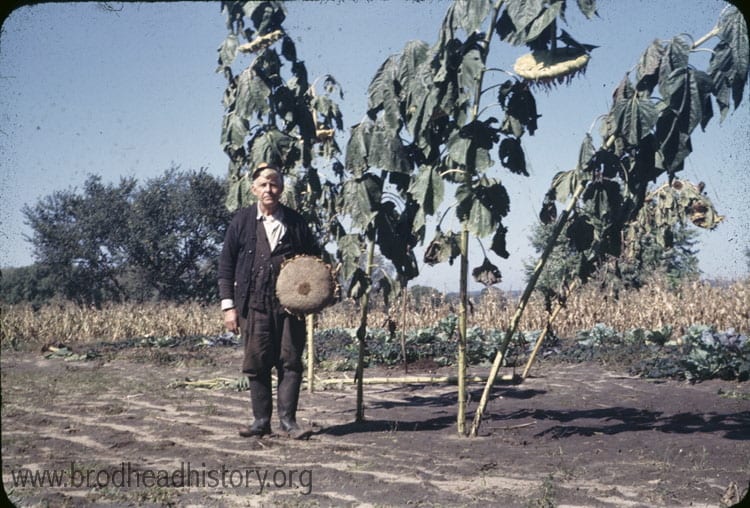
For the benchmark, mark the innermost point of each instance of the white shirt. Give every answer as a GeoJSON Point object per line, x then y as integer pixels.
{"type": "Point", "coordinates": [274, 225]}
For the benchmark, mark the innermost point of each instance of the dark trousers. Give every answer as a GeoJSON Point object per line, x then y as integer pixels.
{"type": "Point", "coordinates": [275, 339]}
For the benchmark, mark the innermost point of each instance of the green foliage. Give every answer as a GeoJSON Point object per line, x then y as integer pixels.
{"type": "Point", "coordinates": [646, 134]}
{"type": "Point", "coordinates": [701, 354]}
{"type": "Point", "coordinates": [437, 343]}
{"type": "Point", "coordinates": [35, 284]}
{"type": "Point", "coordinates": [274, 114]}
{"type": "Point", "coordinates": [126, 242]}
{"type": "Point", "coordinates": [80, 236]}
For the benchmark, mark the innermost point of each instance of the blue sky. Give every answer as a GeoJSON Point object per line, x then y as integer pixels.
{"type": "Point", "coordinates": [131, 91]}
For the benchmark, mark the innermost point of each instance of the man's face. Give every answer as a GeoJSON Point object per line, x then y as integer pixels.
{"type": "Point", "coordinates": [267, 188]}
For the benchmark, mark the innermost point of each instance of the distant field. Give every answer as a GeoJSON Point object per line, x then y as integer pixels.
{"type": "Point", "coordinates": [723, 306]}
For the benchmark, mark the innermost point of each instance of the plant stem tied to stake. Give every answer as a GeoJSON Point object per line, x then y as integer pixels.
{"type": "Point", "coordinates": [561, 221]}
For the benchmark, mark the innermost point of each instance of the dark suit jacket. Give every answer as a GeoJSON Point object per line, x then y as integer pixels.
{"type": "Point", "coordinates": [237, 254]}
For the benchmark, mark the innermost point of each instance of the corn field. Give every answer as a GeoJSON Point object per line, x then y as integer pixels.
{"type": "Point", "coordinates": [723, 306]}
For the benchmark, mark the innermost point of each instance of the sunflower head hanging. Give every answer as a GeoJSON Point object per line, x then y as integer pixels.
{"type": "Point", "coordinates": [550, 67]}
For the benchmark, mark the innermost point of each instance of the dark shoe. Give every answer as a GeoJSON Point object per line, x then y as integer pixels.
{"type": "Point", "coordinates": [257, 429]}
{"type": "Point", "coordinates": [288, 396]}
{"type": "Point", "coordinates": [293, 430]}
{"type": "Point", "coordinates": [261, 402]}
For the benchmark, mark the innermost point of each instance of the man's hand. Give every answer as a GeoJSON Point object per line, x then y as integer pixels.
{"type": "Point", "coordinates": [231, 320]}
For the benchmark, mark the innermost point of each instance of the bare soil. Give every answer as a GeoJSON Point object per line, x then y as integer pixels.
{"type": "Point", "coordinates": [118, 430]}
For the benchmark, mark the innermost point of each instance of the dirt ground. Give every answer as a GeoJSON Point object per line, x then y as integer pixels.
{"type": "Point", "coordinates": [120, 430]}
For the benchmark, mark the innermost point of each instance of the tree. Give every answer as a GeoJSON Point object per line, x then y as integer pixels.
{"type": "Point", "coordinates": [175, 229]}
{"type": "Point", "coordinates": [128, 242]}
{"type": "Point", "coordinates": [80, 237]}
{"type": "Point", "coordinates": [34, 284]}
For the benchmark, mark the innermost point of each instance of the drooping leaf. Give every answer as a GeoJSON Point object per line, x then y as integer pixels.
{"type": "Point", "coordinates": [688, 92]}
{"type": "Point", "coordinates": [361, 199]}
{"type": "Point", "coordinates": [468, 14]}
{"type": "Point", "coordinates": [544, 20]}
{"type": "Point", "coordinates": [674, 143]}
{"type": "Point", "coordinates": [228, 51]}
{"type": "Point", "coordinates": [252, 96]}
{"type": "Point", "coordinates": [734, 36]}
{"type": "Point", "coordinates": [588, 8]}
{"type": "Point", "coordinates": [427, 188]}
{"type": "Point", "coordinates": [647, 71]}
{"type": "Point", "coordinates": [634, 118]}
{"type": "Point", "coordinates": [519, 105]}
{"type": "Point", "coordinates": [522, 14]}
{"type": "Point", "coordinates": [382, 94]}
{"type": "Point", "coordinates": [482, 205]}
{"type": "Point", "coordinates": [238, 193]}
{"type": "Point", "coordinates": [469, 73]}
{"type": "Point", "coordinates": [586, 153]}
{"type": "Point", "coordinates": [563, 185]}
{"type": "Point", "coordinates": [395, 239]}
{"type": "Point", "coordinates": [580, 232]}
{"type": "Point", "coordinates": [548, 213]}
{"type": "Point", "coordinates": [233, 132]}
{"type": "Point", "coordinates": [499, 245]}
{"type": "Point", "coordinates": [288, 49]}
{"type": "Point", "coordinates": [676, 56]}
{"type": "Point", "coordinates": [267, 16]}
{"type": "Point", "coordinates": [349, 251]}
{"type": "Point", "coordinates": [275, 147]}
{"type": "Point", "coordinates": [511, 156]}
{"type": "Point", "coordinates": [359, 285]}
{"type": "Point", "coordinates": [443, 247]}
{"type": "Point", "coordinates": [487, 273]}
{"type": "Point", "coordinates": [372, 145]}
{"type": "Point", "coordinates": [267, 66]}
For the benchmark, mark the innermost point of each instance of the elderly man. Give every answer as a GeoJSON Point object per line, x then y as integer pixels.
{"type": "Point", "coordinates": [258, 240]}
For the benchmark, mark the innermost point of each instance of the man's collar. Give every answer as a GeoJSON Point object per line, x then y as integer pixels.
{"type": "Point", "coordinates": [277, 215]}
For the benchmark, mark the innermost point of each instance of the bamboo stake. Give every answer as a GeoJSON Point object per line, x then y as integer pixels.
{"type": "Point", "coordinates": [561, 221]}
{"type": "Point", "coordinates": [412, 380]}
{"type": "Point", "coordinates": [461, 362]}
{"type": "Point", "coordinates": [310, 318]}
{"type": "Point", "coordinates": [559, 306]}
{"type": "Point", "coordinates": [404, 295]}
{"type": "Point", "coordinates": [361, 334]}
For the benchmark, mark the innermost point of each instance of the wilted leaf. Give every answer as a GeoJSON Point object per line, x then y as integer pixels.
{"type": "Point", "coordinates": [444, 247]}
{"type": "Point", "coordinates": [288, 50]}
{"type": "Point", "coordinates": [228, 51]}
{"type": "Point", "coordinates": [487, 273]}
{"type": "Point", "coordinates": [275, 147]}
{"type": "Point", "coordinates": [511, 156]}
{"type": "Point", "coordinates": [634, 117]}
{"type": "Point", "coordinates": [382, 95]}
{"type": "Point", "coordinates": [361, 199]}
{"type": "Point", "coordinates": [647, 72]}
{"type": "Point", "coordinates": [499, 245]}
{"type": "Point", "coordinates": [482, 205]}
{"type": "Point", "coordinates": [359, 284]}
{"type": "Point", "coordinates": [349, 252]}
{"type": "Point", "coordinates": [580, 233]}
{"type": "Point", "coordinates": [427, 189]}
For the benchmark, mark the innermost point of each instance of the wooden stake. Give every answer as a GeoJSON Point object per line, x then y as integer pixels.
{"type": "Point", "coordinates": [558, 307]}
{"type": "Point", "coordinates": [561, 221]}
{"type": "Point", "coordinates": [310, 318]}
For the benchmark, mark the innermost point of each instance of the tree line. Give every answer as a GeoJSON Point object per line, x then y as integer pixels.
{"type": "Point", "coordinates": [125, 241]}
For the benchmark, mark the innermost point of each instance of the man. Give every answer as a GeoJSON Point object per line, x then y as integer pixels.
{"type": "Point", "coordinates": [259, 238]}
